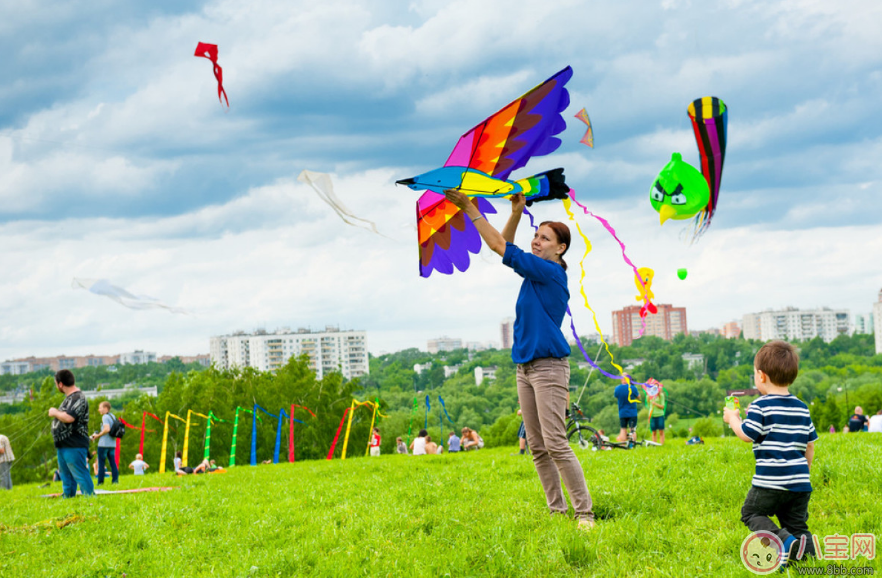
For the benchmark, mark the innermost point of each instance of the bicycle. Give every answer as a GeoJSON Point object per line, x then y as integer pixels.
{"type": "Point", "coordinates": [590, 438]}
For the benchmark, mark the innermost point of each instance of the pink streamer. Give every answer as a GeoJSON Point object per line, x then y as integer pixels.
{"type": "Point", "coordinates": [612, 232]}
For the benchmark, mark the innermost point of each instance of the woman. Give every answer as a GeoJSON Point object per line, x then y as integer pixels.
{"type": "Point", "coordinates": [418, 445]}
{"type": "Point", "coordinates": [540, 350]}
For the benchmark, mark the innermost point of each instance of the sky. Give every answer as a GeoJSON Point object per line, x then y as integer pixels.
{"type": "Point", "coordinates": [117, 161]}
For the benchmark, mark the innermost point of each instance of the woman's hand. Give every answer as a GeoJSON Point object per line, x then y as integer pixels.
{"type": "Point", "coordinates": [457, 197]}
{"type": "Point", "coordinates": [518, 202]}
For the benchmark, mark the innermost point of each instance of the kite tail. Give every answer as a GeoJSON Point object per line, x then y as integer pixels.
{"type": "Point", "coordinates": [566, 204]}
{"type": "Point", "coordinates": [646, 303]}
{"type": "Point", "coordinates": [545, 186]}
{"type": "Point", "coordinates": [587, 357]}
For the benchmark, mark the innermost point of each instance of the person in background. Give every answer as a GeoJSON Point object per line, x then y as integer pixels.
{"type": "Point", "coordinates": [418, 445]}
{"type": "Point", "coordinates": [139, 465]}
{"type": "Point", "coordinates": [628, 396]}
{"type": "Point", "coordinates": [453, 445]}
{"type": "Point", "coordinates": [6, 458]}
{"type": "Point", "coordinates": [178, 460]}
{"type": "Point", "coordinates": [522, 437]}
{"type": "Point", "coordinates": [858, 420]}
{"type": "Point", "coordinates": [657, 406]}
{"type": "Point", "coordinates": [431, 447]}
{"type": "Point", "coordinates": [402, 447]}
{"type": "Point", "coordinates": [875, 425]}
{"type": "Point", "coordinates": [471, 440]}
{"type": "Point", "coordinates": [70, 431]}
{"type": "Point", "coordinates": [106, 444]}
{"type": "Point", "coordinates": [375, 442]}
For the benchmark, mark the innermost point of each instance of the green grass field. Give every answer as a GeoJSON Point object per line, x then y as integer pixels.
{"type": "Point", "coordinates": [669, 511]}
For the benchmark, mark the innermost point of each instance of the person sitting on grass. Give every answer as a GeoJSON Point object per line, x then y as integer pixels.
{"type": "Point", "coordinates": [401, 446]}
{"type": "Point", "coordinates": [418, 445]}
{"type": "Point", "coordinates": [875, 425]}
{"type": "Point", "coordinates": [471, 440]}
{"type": "Point", "coordinates": [783, 436]}
{"type": "Point", "coordinates": [431, 447]}
{"type": "Point", "coordinates": [139, 465]}
{"type": "Point", "coordinates": [858, 421]}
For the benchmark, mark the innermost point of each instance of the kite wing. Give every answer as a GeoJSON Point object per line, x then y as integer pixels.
{"type": "Point", "coordinates": [710, 118]}
{"type": "Point", "coordinates": [523, 129]}
{"type": "Point", "coordinates": [121, 296]}
{"type": "Point", "coordinates": [446, 235]}
{"type": "Point", "coordinates": [588, 139]}
{"type": "Point", "coordinates": [321, 184]}
{"type": "Point", "coordinates": [209, 51]}
{"type": "Point", "coordinates": [497, 146]}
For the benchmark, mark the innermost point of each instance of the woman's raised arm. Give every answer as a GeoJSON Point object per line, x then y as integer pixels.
{"type": "Point", "coordinates": [491, 236]}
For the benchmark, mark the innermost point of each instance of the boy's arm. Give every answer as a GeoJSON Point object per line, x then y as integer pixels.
{"type": "Point", "coordinates": [733, 418]}
{"type": "Point", "coordinates": [810, 453]}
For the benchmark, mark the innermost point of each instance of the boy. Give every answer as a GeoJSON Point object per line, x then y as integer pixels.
{"type": "Point", "coordinates": [783, 435]}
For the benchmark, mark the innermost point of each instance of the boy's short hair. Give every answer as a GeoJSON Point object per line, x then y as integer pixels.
{"type": "Point", "coordinates": [105, 404]}
{"type": "Point", "coordinates": [65, 377]}
{"type": "Point", "coordinates": [778, 360]}
{"type": "Point", "coordinates": [139, 457]}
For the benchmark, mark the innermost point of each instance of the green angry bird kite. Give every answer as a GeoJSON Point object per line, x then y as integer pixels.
{"type": "Point", "coordinates": [680, 190]}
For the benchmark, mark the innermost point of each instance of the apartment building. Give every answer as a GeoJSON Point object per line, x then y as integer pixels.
{"type": "Point", "coordinates": [668, 322]}
{"type": "Point", "coordinates": [329, 350]}
{"type": "Point", "coordinates": [793, 323]}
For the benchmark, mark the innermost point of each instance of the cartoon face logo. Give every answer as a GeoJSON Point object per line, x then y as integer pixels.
{"type": "Point", "coordinates": [761, 552]}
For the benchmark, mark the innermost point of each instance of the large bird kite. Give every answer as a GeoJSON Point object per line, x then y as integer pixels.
{"type": "Point", "coordinates": [480, 165]}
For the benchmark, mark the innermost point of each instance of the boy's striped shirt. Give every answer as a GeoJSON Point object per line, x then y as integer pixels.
{"type": "Point", "coordinates": [781, 428]}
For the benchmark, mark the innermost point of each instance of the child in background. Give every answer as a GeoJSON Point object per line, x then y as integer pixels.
{"type": "Point", "coordinates": [375, 442]}
{"type": "Point", "coordinates": [783, 436]}
{"type": "Point", "coordinates": [402, 447]}
{"type": "Point", "coordinates": [139, 465]}
{"type": "Point", "coordinates": [178, 460]}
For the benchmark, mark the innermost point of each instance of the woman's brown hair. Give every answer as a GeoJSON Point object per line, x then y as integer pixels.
{"type": "Point", "coordinates": [562, 232]}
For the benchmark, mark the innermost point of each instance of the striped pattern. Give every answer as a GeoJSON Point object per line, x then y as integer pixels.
{"type": "Point", "coordinates": [781, 429]}
{"type": "Point", "coordinates": [709, 117]}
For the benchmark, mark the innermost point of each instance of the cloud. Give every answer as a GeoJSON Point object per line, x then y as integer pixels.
{"type": "Point", "coordinates": [118, 161]}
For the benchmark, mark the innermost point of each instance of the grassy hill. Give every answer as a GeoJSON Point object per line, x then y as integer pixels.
{"type": "Point", "coordinates": [669, 511]}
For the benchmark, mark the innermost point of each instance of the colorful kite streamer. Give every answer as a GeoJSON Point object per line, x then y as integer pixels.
{"type": "Point", "coordinates": [209, 51]}
{"type": "Point", "coordinates": [710, 120]}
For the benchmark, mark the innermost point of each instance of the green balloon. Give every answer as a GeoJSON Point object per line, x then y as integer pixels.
{"type": "Point", "coordinates": [681, 273]}
{"type": "Point", "coordinates": [679, 191]}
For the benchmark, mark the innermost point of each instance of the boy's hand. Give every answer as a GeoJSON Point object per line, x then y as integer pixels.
{"type": "Point", "coordinates": [731, 416]}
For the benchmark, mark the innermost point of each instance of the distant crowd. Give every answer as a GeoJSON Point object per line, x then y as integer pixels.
{"type": "Point", "coordinates": [423, 445]}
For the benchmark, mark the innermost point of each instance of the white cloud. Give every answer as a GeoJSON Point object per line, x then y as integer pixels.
{"type": "Point", "coordinates": [309, 81]}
